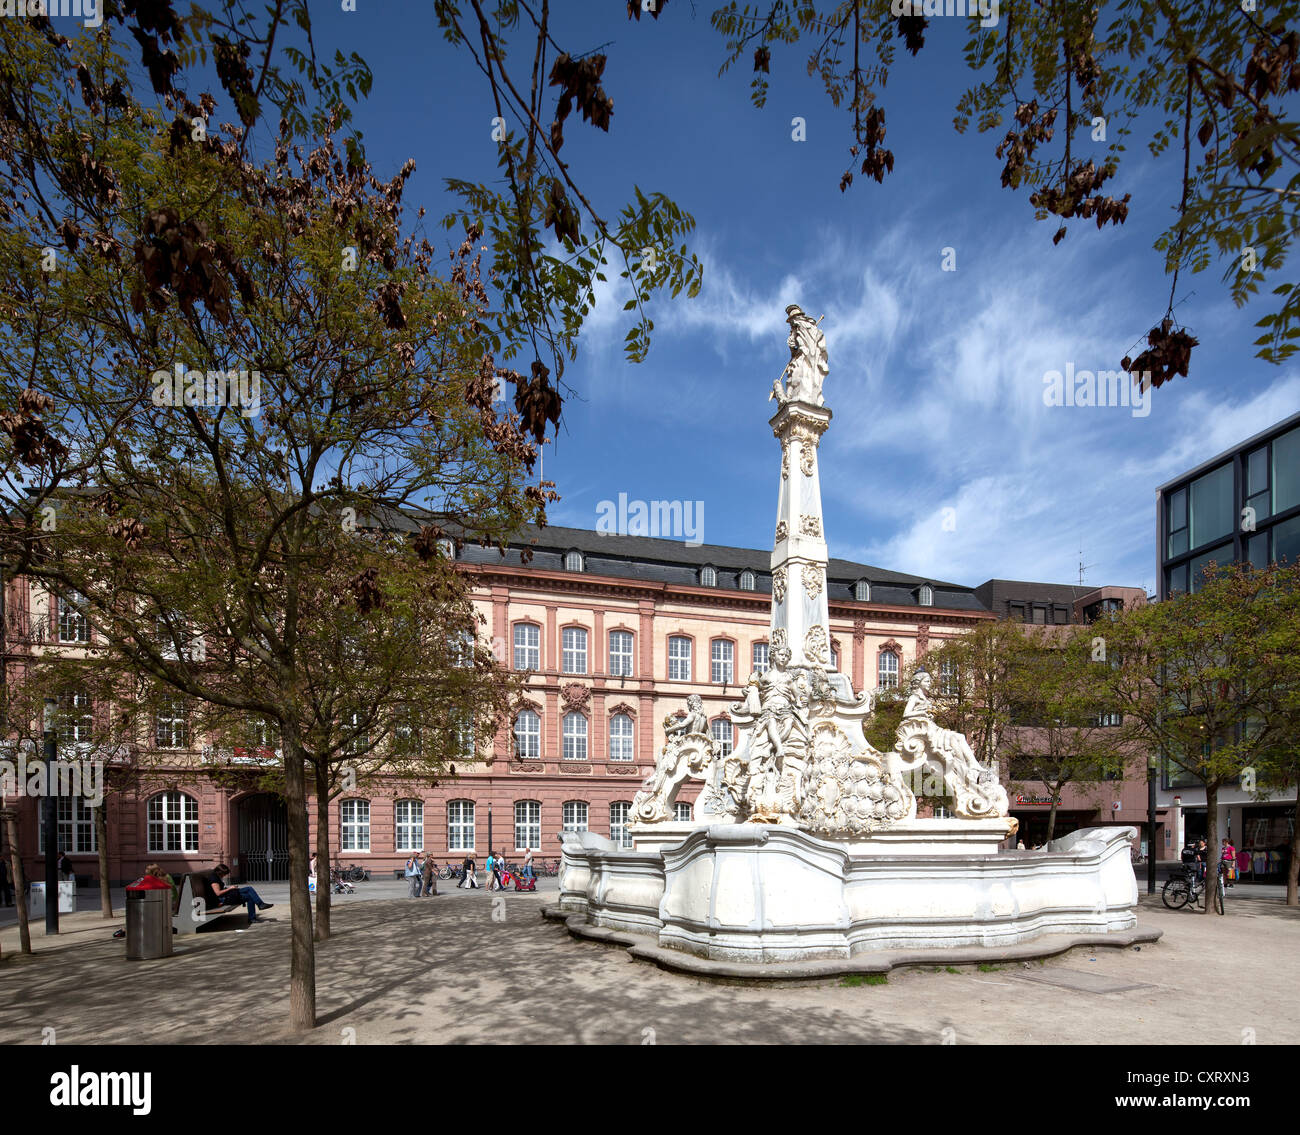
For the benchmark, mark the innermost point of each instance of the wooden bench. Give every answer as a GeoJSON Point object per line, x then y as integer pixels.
{"type": "Point", "coordinates": [198, 905]}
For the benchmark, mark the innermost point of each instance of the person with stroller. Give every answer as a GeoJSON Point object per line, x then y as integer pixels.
{"type": "Point", "coordinates": [469, 879]}
{"type": "Point", "coordinates": [527, 871]}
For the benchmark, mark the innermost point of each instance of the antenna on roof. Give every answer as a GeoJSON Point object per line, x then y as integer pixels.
{"type": "Point", "coordinates": [1082, 566]}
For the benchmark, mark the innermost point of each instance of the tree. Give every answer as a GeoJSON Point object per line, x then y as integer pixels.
{"type": "Point", "coordinates": [329, 380]}
{"type": "Point", "coordinates": [1064, 732]}
{"type": "Point", "coordinates": [1199, 679]}
{"type": "Point", "coordinates": [1071, 83]}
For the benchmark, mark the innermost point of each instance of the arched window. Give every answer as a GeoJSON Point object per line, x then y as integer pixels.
{"type": "Point", "coordinates": [619, 812]}
{"type": "Point", "coordinates": [759, 658]}
{"type": "Point", "coordinates": [575, 815]}
{"type": "Point", "coordinates": [573, 656]}
{"type": "Point", "coordinates": [575, 737]}
{"type": "Point", "coordinates": [862, 591]}
{"type": "Point", "coordinates": [926, 597]}
{"type": "Point", "coordinates": [528, 646]}
{"type": "Point", "coordinates": [620, 738]}
{"type": "Point", "coordinates": [409, 821]}
{"type": "Point", "coordinates": [354, 817]}
{"type": "Point", "coordinates": [460, 825]}
{"type": "Point", "coordinates": [679, 658]}
{"type": "Point", "coordinates": [173, 822]}
{"type": "Point", "coordinates": [722, 660]}
{"type": "Point", "coordinates": [835, 660]}
{"type": "Point", "coordinates": [724, 733]}
{"type": "Point", "coordinates": [888, 670]}
{"type": "Point", "coordinates": [573, 561]}
{"type": "Point", "coordinates": [682, 813]}
{"type": "Point", "coordinates": [528, 735]}
{"type": "Point", "coordinates": [620, 654]}
{"type": "Point", "coordinates": [746, 580]}
{"type": "Point", "coordinates": [708, 576]}
{"type": "Point", "coordinates": [528, 824]}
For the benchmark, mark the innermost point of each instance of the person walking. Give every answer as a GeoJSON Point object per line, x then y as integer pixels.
{"type": "Point", "coordinates": [527, 871]}
{"type": "Point", "coordinates": [65, 866]}
{"type": "Point", "coordinates": [430, 877]}
{"type": "Point", "coordinates": [469, 881]}
{"type": "Point", "coordinates": [1228, 855]}
{"type": "Point", "coordinates": [496, 872]}
{"type": "Point", "coordinates": [415, 874]}
{"type": "Point", "coordinates": [489, 877]}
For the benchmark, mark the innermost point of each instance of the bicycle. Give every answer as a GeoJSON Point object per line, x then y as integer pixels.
{"type": "Point", "coordinates": [1188, 888]}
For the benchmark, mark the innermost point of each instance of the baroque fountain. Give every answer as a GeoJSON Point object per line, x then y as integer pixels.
{"type": "Point", "coordinates": [805, 845]}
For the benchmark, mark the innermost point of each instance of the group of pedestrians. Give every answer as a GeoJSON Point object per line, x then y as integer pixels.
{"type": "Point", "coordinates": [422, 875]}
{"type": "Point", "coordinates": [495, 865]}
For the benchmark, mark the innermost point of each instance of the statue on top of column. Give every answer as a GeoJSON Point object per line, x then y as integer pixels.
{"type": "Point", "coordinates": [808, 365]}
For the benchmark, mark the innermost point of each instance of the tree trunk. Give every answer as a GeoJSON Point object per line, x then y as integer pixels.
{"type": "Point", "coordinates": [101, 841]}
{"type": "Point", "coordinates": [1293, 870]}
{"type": "Point", "coordinates": [302, 961]}
{"type": "Point", "coordinates": [322, 852]}
{"type": "Point", "coordinates": [19, 879]}
{"type": "Point", "coordinates": [1051, 817]}
{"type": "Point", "coordinates": [1211, 845]}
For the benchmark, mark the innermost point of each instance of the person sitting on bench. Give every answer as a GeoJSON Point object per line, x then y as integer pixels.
{"type": "Point", "coordinates": [230, 894]}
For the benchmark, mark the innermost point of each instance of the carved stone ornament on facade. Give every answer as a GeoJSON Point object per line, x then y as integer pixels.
{"type": "Point", "coordinates": [922, 638]}
{"type": "Point", "coordinates": [621, 770]}
{"type": "Point", "coordinates": [815, 645]}
{"type": "Point", "coordinates": [527, 766]}
{"type": "Point", "coordinates": [778, 640]}
{"type": "Point", "coordinates": [781, 531]}
{"type": "Point", "coordinates": [778, 586]}
{"type": "Point", "coordinates": [806, 458]}
{"type": "Point", "coordinates": [785, 463]}
{"type": "Point", "coordinates": [575, 695]}
{"type": "Point", "coordinates": [859, 629]}
{"type": "Point", "coordinates": [890, 644]}
{"type": "Point", "coordinates": [812, 580]}
{"type": "Point", "coordinates": [575, 766]}
{"type": "Point", "coordinates": [810, 525]}
{"type": "Point", "coordinates": [622, 707]}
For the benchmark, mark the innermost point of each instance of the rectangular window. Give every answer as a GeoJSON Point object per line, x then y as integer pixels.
{"type": "Point", "coordinates": [682, 813]}
{"type": "Point", "coordinates": [1211, 511]}
{"type": "Point", "coordinates": [620, 654]}
{"type": "Point", "coordinates": [759, 658]}
{"type": "Point", "coordinates": [528, 824]}
{"type": "Point", "coordinates": [75, 721]}
{"type": "Point", "coordinates": [620, 737]}
{"type": "Point", "coordinates": [460, 825]}
{"type": "Point", "coordinates": [1197, 568]}
{"type": "Point", "coordinates": [410, 825]}
{"type": "Point", "coordinates": [1176, 521]}
{"type": "Point", "coordinates": [1286, 541]}
{"type": "Point", "coordinates": [76, 823]}
{"type": "Point", "coordinates": [1286, 471]}
{"type": "Point", "coordinates": [172, 729]}
{"type": "Point", "coordinates": [73, 624]}
{"type": "Point", "coordinates": [574, 650]}
{"type": "Point", "coordinates": [1176, 580]}
{"type": "Point", "coordinates": [528, 646]}
{"type": "Point", "coordinates": [724, 733]}
{"type": "Point", "coordinates": [1040, 615]}
{"type": "Point", "coordinates": [679, 659]}
{"type": "Point", "coordinates": [173, 823]}
{"type": "Point", "coordinates": [723, 661]}
{"type": "Point", "coordinates": [575, 737]}
{"type": "Point", "coordinates": [618, 817]}
{"type": "Point", "coordinates": [355, 815]}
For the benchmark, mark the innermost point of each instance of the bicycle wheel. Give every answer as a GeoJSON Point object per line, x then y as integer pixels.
{"type": "Point", "coordinates": [1175, 894]}
{"type": "Point", "coordinates": [1218, 896]}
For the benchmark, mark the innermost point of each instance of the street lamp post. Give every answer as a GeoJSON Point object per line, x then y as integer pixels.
{"type": "Point", "coordinates": [1151, 827]}
{"type": "Point", "coordinates": [489, 829]}
{"type": "Point", "coordinates": [51, 822]}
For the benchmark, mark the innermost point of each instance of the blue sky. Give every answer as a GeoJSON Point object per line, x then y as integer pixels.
{"type": "Point", "coordinates": [936, 379]}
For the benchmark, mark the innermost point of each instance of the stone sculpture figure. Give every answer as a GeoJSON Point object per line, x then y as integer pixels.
{"type": "Point", "coordinates": [808, 365]}
{"type": "Point", "coordinates": [688, 752]}
{"type": "Point", "coordinates": [921, 741]}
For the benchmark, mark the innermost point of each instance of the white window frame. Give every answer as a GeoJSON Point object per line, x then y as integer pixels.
{"type": "Point", "coordinates": [573, 650]}
{"type": "Point", "coordinates": [722, 661]}
{"type": "Point", "coordinates": [760, 657]}
{"type": "Point", "coordinates": [574, 730]}
{"type": "Point", "coordinates": [887, 675]}
{"type": "Point", "coordinates": [408, 825]}
{"type": "Point", "coordinates": [168, 814]}
{"type": "Point", "coordinates": [528, 735]}
{"type": "Point", "coordinates": [73, 619]}
{"type": "Point", "coordinates": [708, 576]}
{"type": "Point", "coordinates": [926, 596]}
{"type": "Point", "coordinates": [528, 646]}
{"type": "Point", "coordinates": [76, 719]}
{"type": "Point", "coordinates": [679, 658]}
{"type": "Point", "coordinates": [172, 721]}
{"type": "Point", "coordinates": [948, 685]}
{"type": "Point", "coordinates": [576, 815]}
{"type": "Point", "coordinates": [724, 733]}
{"type": "Point", "coordinates": [75, 823]}
{"type": "Point", "coordinates": [528, 823]}
{"type": "Point", "coordinates": [620, 659]}
{"type": "Point", "coordinates": [574, 561]}
{"type": "Point", "coordinates": [354, 825]}
{"type": "Point", "coordinates": [682, 812]}
{"type": "Point", "coordinates": [862, 591]}
{"type": "Point", "coordinates": [620, 817]}
{"type": "Point", "coordinates": [460, 825]}
{"type": "Point", "coordinates": [622, 738]}
{"type": "Point", "coordinates": [747, 580]}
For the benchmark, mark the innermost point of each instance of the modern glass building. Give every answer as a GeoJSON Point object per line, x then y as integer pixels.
{"type": "Point", "coordinates": [1242, 505]}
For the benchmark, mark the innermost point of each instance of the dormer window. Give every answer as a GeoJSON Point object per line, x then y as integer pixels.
{"type": "Point", "coordinates": [862, 591]}
{"type": "Point", "coordinates": [708, 576]}
{"type": "Point", "coordinates": [925, 595]}
{"type": "Point", "coordinates": [746, 581]}
{"type": "Point", "coordinates": [447, 549]}
{"type": "Point", "coordinates": [573, 561]}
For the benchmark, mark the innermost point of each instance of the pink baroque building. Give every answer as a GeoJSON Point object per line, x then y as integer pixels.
{"type": "Point", "coordinates": [613, 632]}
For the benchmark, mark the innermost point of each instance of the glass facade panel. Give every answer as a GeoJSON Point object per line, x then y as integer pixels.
{"type": "Point", "coordinates": [1212, 511]}
{"type": "Point", "coordinates": [1257, 471]}
{"type": "Point", "coordinates": [1176, 580]}
{"type": "Point", "coordinates": [1176, 520]}
{"type": "Point", "coordinates": [1286, 471]}
{"type": "Point", "coordinates": [1286, 541]}
{"type": "Point", "coordinates": [1196, 568]}
{"type": "Point", "coordinates": [1257, 550]}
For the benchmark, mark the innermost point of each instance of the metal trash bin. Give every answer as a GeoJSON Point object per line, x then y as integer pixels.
{"type": "Point", "coordinates": [148, 919]}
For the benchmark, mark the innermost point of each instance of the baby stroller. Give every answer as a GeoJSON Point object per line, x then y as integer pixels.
{"type": "Point", "coordinates": [522, 882]}
{"type": "Point", "coordinates": [339, 885]}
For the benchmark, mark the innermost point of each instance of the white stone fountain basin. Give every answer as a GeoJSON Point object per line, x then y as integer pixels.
{"type": "Point", "coordinates": [772, 894]}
